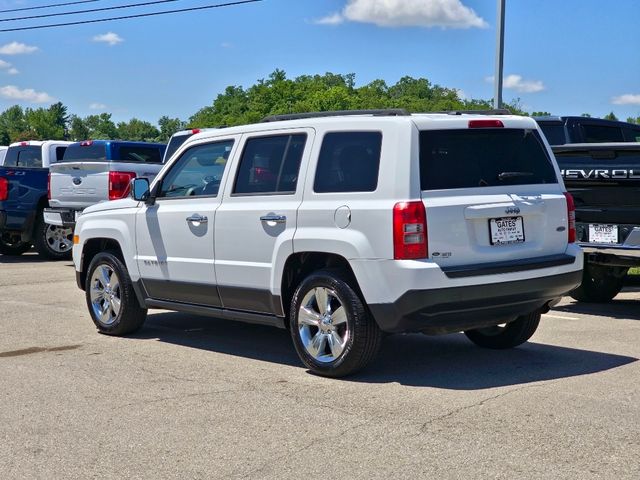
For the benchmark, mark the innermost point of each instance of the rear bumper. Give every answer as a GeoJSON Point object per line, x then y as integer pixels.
{"type": "Point", "coordinates": [454, 309]}
{"type": "Point", "coordinates": [62, 217]}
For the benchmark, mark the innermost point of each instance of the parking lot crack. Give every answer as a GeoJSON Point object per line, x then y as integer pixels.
{"type": "Point", "coordinates": [480, 403]}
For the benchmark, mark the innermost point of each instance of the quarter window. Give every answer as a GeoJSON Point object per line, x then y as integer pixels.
{"type": "Point", "coordinates": [270, 165]}
{"type": "Point", "coordinates": [348, 162]}
{"type": "Point", "coordinates": [198, 172]}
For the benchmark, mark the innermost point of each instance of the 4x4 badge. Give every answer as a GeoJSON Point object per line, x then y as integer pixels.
{"type": "Point", "coordinates": [512, 210]}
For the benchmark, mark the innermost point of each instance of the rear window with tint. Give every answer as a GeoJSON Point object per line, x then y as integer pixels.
{"type": "Point", "coordinates": [174, 144]}
{"type": "Point", "coordinates": [602, 133]}
{"type": "Point", "coordinates": [138, 154]}
{"type": "Point", "coordinates": [554, 132]}
{"type": "Point", "coordinates": [27, 157]}
{"type": "Point", "coordinates": [492, 157]}
{"type": "Point", "coordinates": [88, 153]}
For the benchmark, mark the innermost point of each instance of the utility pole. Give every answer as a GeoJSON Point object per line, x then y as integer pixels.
{"type": "Point", "coordinates": [497, 95]}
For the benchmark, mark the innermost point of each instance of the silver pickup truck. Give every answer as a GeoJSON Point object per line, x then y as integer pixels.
{"type": "Point", "coordinates": [95, 171]}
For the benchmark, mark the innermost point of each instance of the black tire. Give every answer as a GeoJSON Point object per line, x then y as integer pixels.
{"type": "Point", "coordinates": [359, 332]}
{"type": "Point", "coordinates": [58, 245]}
{"type": "Point", "coordinates": [12, 245]}
{"type": "Point", "coordinates": [508, 336]}
{"type": "Point", "coordinates": [599, 285]}
{"type": "Point", "coordinates": [130, 316]}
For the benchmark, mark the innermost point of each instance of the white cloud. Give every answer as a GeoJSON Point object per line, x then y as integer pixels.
{"type": "Point", "coordinates": [4, 65]}
{"type": "Point", "coordinates": [626, 99]}
{"type": "Point", "coordinates": [28, 94]}
{"type": "Point", "coordinates": [462, 94]}
{"type": "Point", "coordinates": [333, 19]}
{"type": "Point", "coordinates": [519, 84]}
{"type": "Point", "coordinates": [109, 37]}
{"type": "Point", "coordinates": [97, 106]}
{"type": "Point", "coordinates": [15, 48]}
{"type": "Point", "coordinates": [407, 13]}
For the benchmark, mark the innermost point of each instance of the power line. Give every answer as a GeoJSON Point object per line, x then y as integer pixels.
{"type": "Point", "coordinates": [91, 10]}
{"type": "Point", "coordinates": [140, 15]}
{"type": "Point", "coordinates": [47, 6]}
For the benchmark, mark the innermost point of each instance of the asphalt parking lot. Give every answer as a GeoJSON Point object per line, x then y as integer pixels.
{"type": "Point", "coordinates": [192, 397]}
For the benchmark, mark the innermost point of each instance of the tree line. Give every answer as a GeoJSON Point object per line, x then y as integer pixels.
{"type": "Point", "coordinates": [276, 94]}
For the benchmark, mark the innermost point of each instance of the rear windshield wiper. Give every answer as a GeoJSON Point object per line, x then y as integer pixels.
{"type": "Point", "coordinates": [505, 175]}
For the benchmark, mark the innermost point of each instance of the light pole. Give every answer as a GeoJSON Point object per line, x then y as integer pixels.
{"type": "Point", "coordinates": [497, 94]}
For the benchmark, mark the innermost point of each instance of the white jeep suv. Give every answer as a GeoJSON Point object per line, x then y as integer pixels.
{"type": "Point", "coordinates": [341, 226]}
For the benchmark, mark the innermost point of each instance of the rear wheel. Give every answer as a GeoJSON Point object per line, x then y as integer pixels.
{"type": "Point", "coordinates": [332, 330]}
{"type": "Point", "coordinates": [599, 284]}
{"type": "Point", "coordinates": [110, 296]}
{"type": "Point", "coordinates": [51, 241]}
{"type": "Point", "coordinates": [12, 244]}
{"type": "Point", "coordinates": [508, 335]}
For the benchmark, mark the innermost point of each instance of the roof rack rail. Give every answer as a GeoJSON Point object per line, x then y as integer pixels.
{"type": "Point", "coordinates": [387, 112]}
{"type": "Point", "coordinates": [497, 111]}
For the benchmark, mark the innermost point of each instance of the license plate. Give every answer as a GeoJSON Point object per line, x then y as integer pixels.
{"type": "Point", "coordinates": [507, 230]}
{"type": "Point", "coordinates": [603, 233]}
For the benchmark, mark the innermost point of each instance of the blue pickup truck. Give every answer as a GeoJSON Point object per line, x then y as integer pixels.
{"type": "Point", "coordinates": [23, 196]}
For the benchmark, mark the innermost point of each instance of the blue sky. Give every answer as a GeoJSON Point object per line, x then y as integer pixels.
{"type": "Point", "coordinates": [562, 56]}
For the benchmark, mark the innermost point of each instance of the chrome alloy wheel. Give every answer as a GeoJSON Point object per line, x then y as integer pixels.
{"type": "Point", "coordinates": [59, 239]}
{"type": "Point", "coordinates": [105, 294]}
{"type": "Point", "coordinates": [322, 325]}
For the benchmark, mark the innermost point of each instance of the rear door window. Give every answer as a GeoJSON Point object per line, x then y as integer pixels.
{"type": "Point", "coordinates": [348, 162]}
{"type": "Point", "coordinates": [270, 165]}
{"type": "Point", "coordinates": [472, 158]}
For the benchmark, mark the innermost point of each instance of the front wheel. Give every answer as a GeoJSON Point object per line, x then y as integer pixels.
{"type": "Point", "coordinates": [506, 336]}
{"type": "Point", "coordinates": [11, 244]}
{"type": "Point", "coordinates": [110, 296]}
{"type": "Point", "coordinates": [53, 242]}
{"type": "Point", "coordinates": [332, 330]}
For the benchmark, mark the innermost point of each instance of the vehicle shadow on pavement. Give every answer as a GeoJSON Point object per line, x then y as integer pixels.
{"type": "Point", "coordinates": [31, 257]}
{"type": "Point", "coordinates": [453, 362]}
{"type": "Point", "coordinates": [618, 309]}
{"type": "Point", "coordinates": [448, 362]}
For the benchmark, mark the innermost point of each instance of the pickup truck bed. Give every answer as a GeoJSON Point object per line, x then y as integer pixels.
{"type": "Point", "coordinates": [604, 179]}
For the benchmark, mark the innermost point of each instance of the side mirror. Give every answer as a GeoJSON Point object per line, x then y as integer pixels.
{"type": "Point", "coordinates": [140, 189]}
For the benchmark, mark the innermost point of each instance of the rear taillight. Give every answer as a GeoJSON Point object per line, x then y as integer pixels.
{"type": "Point", "coordinates": [86, 143]}
{"type": "Point", "coordinates": [409, 230]}
{"type": "Point", "coordinates": [486, 124]}
{"type": "Point", "coordinates": [4, 188]}
{"type": "Point", "coordinates": [571, 216]}
{"type": "Point", "coordinates": [195, 130]}
{"type": "Point", "coordinates": [119, 184]}
{"type": "Point", "coordinates": [49, 186]}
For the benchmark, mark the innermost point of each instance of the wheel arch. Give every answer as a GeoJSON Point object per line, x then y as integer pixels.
{"type": "Point", "coordinates": [300, 264]}
{"type": "Point", "coordinates": [91, 248]}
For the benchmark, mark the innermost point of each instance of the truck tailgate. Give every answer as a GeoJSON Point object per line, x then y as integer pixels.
{"type": "Point", "coordinates": [77, 185]}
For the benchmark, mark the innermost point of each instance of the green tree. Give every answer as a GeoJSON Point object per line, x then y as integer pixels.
{"type": "Point", "coordinates": [78, 131]}
{"type": "Point", "coordinates": [13, 126]}
{"type": "Point", "coordinates": [169, 126]}
{"type": "Point", "coordinates": [540, 114]}
{"type": "Point", "coordinates": [634, 120]}
{"type": "Point", "coordinates": [137, 130]}
{"type": "Point", "coordinates": [588, 115]}
{"type": "Point", "coordinates": [101, 127]}
{"type": "Point", "coordinates": [610, 116]}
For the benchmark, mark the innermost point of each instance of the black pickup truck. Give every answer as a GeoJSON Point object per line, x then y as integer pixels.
{"type": "Point", "coordinates": [604, 179]}
{"type": "Point", "coordinates": [572, 129]}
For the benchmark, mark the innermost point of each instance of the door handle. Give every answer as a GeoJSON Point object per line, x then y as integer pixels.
{"type": "Point", "coordinates": [196, 218]}
{"type": "Point", "coordinates": [273, 218]}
